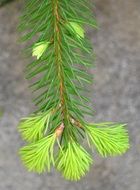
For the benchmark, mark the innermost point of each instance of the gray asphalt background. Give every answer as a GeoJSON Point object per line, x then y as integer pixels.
{"type": "Point", "coordinates": [116, 93]}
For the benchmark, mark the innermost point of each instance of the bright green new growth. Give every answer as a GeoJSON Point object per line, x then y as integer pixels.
{"type": "Point", "coordinates": [109, 139]}
{"type": "Point", "coordinates": [59, 72]}
{"type": "Point", "coordinates": [73, 160]}
{"type": "Point", "coordinates": [76, 28]}
{"type": "Point", "coordinates": [34, 127]}
{"type": "Point", "coordinates": [38, 156]}
{"type": "Point", "coordinates": [39, 48]}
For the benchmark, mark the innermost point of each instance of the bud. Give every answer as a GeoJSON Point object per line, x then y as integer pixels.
{"type": "Point", "coordinates": [39, 48]}
{"type": "Point", "coordinates": [59, 130]}
{"type": "Point", "coordinates": [76, 28]}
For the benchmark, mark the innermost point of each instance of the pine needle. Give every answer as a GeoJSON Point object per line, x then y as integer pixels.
{"type": "Point", "coordinates": [73, 161]}
{"type": "Point", "coordinates": [109, 139]}
{"type": "Point", "coordinates": [38, 156]}
{"type": "Point", "coordinates": [33, 127]}
{"type": "Point", "coordinates": [59, 72]}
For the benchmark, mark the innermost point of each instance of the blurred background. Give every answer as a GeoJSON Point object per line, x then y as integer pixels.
{"type": "Point", "coordinates": [116, 93]}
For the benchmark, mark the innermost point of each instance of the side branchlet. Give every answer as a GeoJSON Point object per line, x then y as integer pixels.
{"type": "Point", "coordinates": [62, 56]}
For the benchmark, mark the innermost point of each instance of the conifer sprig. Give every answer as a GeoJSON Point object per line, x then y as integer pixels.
{"type": "Point", "coordinates": [109, 139]}
{"type": "Point", "coordinates": [62, 56]}
{"type": "Point", "coordinates": [38, 156]}
{"type": "Point", "coordinates": [73, 161]}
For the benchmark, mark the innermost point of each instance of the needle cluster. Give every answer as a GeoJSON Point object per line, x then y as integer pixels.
{"type": "Point", "coordinates": [62, 56]}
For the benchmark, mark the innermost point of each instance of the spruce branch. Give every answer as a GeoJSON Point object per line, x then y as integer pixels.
{"type": "Point", "coordinates": [73, 161]}
{"type": "Point", "coordinates": [34, 127]}
{"type": "Point", "coordinates": [38, 156]}
{"type": "Point", "coordinates": [62, 56]}
{"type": "Point", "coordinates": [110, 139]}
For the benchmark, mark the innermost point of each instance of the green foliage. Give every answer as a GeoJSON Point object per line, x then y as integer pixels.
{"type": "Point", "coordinates": [38, 156]}
{"type": "Point", "coordinates": [34, 127]}
{"type": "Point", "coordinates": [109, 139]}
{"type": "Point", "coordinates": [75, 28]}
{"type": "Point", "coordinates": [59, 73]}
{"type": "Point", "coordinates": [73, 161]}
{"type": "Point", "coordinates": [39, 48]}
